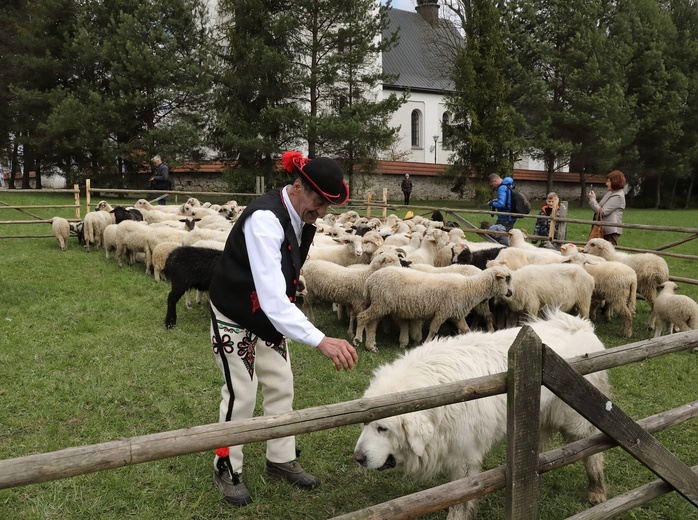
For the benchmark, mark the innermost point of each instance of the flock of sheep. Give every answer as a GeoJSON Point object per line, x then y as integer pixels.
{"type": "Point", "coordinates": [411, 271]}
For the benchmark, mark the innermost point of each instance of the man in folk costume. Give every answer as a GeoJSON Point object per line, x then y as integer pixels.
{"type": "Point", "coordinates": [252, 297]}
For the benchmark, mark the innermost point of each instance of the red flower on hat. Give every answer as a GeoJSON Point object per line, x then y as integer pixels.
{"type": "Point", "coordinates": [291, 159]}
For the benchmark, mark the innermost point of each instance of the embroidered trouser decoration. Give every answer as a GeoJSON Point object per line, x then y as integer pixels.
{"type": "Point", "coordinates": [245, 360]}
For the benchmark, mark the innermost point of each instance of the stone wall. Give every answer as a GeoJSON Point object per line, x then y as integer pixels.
{"type": "Point", "coordinates": [423, 187]}
{"type": "Point", "coordinates": [434, 188]}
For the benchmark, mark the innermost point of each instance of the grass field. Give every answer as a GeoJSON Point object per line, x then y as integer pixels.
{"type": "Point", "coordinates": [85, 358]}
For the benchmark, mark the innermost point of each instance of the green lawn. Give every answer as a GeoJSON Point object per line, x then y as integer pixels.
{"type": "Point", "coordinates": [85, 359]}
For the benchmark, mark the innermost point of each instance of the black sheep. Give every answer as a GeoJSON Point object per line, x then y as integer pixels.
{"type": "Point", "coordinates": [478, 258]}
{"type": "Point", "coordinates": [187, 268]}
{"type": "Point", "coordinates": [121, 214]}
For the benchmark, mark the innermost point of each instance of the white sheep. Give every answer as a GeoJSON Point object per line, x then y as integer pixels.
{"type": "Point", "coordinates": [408, 294]}
{"type": "Point", "coordinates": [352, 249]}
{"type": "Point", "coordinates": [651, 269]}
{"type": "Point", "coordinates": [614, 283]}
{"type": "Point", "coordinates": [182, 209]}
{"type": "Point", "coordinates": [572, 251]}
{"type": "Point", "coordinates": [535, 287]}
{"type": "Point", "coordinates": [676, 312]}
{"type": "Point", "coordinates": [109, 239]}
{"type": "Point", "coordinates": [518, 257]}
{"type": "Point", "coordinates": [61, 230]}
{"type": "Point", "coordinates": [426, 253]}
{"type": "Point", "coordinates": [159, 257]}
{"type": "Point", "coordinates": [131, 237]}
{"type": "Point", "coordinates": [517, 238]}
{"type": "Point", "coordinates": [329, 282]}
{"type": "Point", "coordinates": [210, 244]}
{"type": "Point", "coordinates": [198, 233]}
{"type": "Point", "coordinates": [94, 224]}
{"type": "Point", "coordinates": [158, 235]}
{"type": "Point", "coordinates": [483, 308]}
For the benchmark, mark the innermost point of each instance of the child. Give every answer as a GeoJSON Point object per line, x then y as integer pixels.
{"type": "Point", "coordinates": [552, 202]}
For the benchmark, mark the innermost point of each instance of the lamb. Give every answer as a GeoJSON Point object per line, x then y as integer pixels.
{"type": "Point", "coordinates": [674, 311]}
{"type": "Point", "coordinates": [327, 281]}
{"type": "Point", "coordinates": [535, 287]}
{"type": "Point", "coordinates": [61, 230]}
{"type": "Point", "coordinates": [187, 268]}
{"type": "Point", "coordinates": [210, 244]}
{"type": "Point", "coordinates": [651, 269]}
{"type": "Point", "coordinates": [408, 294]}
{"type": "Point", "coordinates": [616, 284]}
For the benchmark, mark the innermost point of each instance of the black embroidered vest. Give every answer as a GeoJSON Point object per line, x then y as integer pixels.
{"type": "Point", "coordinates": [232, 289]}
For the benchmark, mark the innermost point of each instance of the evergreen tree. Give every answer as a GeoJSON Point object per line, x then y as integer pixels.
{"type": "Point", "coordinates": [256, 101]}
{"type": "Point", "coordinates": [107, 84]}
{"type": "Point", "coordinates": [482, 135]}
{"type": "Point", "coordinates": [656, 89]}
{"type": "Point", "coordinates": [566, 79]}
{"type": "Point", "coordinates": [339, 53]}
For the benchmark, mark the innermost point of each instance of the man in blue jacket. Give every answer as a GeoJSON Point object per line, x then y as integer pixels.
{"type": "Point", "coordinates": [502, 203]}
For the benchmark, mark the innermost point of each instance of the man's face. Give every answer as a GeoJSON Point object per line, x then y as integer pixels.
{"type": "Point", "coordinates": [157, 162]}
{"type": "Point", "coordinates": [310, 206]}
{"type": "Point", "coordinates": [495, 183]}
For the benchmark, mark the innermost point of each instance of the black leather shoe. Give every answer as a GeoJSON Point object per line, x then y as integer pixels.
{"type": "Point", "coordinates": [293, 473]}
{"type": "Point", "coordinates": [234, 489]}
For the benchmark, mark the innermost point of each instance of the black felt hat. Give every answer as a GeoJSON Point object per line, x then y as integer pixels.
{"type": "Point", "coordinates": [323, 174]}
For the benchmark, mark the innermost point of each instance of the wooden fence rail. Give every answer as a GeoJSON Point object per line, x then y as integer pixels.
{"type": "Point", "coordinates": [86, 459]}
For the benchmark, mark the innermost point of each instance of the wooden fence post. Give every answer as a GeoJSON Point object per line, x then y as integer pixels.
{"type": "Point", "coordinates": [385, 204]}
{"type": "Point", "coordinates": [77, 200]}
{"type": "Point", "coordinates": [87, 196]}
{"type": "Point", "coordinates": [524, 377]}
{"type": "Point", "coordinates": [369, 199]}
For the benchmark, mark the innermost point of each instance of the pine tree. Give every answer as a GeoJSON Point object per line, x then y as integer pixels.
{"type": "Point", "coordinates": [656, 88]}
{"type": "Point", "coordinates": [567, 83]}
{"type": "Point", "coordinates": [482, 134]}
{"type": "Point", "coordinates": [256, 102]}
{"type": "Point", "coordinates": [339, 54]}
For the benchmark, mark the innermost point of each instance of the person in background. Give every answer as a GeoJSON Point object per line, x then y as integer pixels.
{"type": "Point", "coordinates": [252, 298]}
{"type": "Point", "coordinates": [612, 205]}
{"type": "Point", "coordinates": [161, 179]}
{"type": "Point", "coordinates": [406, 187]}
{"type": "Point", "coordinates": [552, 203]}
{"type": "Point", "coordinates": [502, 202]}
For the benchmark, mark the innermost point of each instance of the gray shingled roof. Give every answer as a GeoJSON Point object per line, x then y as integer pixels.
{"type": "Point", "coordinates": [415, 58]}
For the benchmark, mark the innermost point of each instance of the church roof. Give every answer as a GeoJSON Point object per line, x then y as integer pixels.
{"type": "Point", "coordinates": [416, 58]}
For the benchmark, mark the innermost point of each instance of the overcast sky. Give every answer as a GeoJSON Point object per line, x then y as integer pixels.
{"type": "Point", "coordinates": [404, 5]}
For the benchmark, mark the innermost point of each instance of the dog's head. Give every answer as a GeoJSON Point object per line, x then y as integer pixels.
{"type": "Point", "coordinates": [396, 442]}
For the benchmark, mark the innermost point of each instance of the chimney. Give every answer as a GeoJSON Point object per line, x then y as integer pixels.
{"type": "Point", "coordinates": [429, 10]}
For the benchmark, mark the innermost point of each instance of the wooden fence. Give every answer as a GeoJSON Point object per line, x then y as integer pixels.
{"type": "Point", "coordinates": [524, 463]}
{"type": "Point", "coordinates": [36, 219]}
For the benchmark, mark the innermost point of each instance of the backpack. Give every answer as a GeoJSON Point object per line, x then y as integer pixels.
{"type": "Point", "coordinates": [519, 202]}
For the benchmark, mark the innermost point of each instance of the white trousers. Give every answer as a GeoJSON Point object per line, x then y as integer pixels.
{"type": "Point", "coordinates": [246, 360]}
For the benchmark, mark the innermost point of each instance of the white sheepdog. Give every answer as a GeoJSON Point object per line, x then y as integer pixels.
{"type": "Point", "coordinates": [456, 438]}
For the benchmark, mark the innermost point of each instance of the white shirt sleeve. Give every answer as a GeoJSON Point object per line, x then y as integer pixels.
{"type": "Point", "coordinates": [263, 237]}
